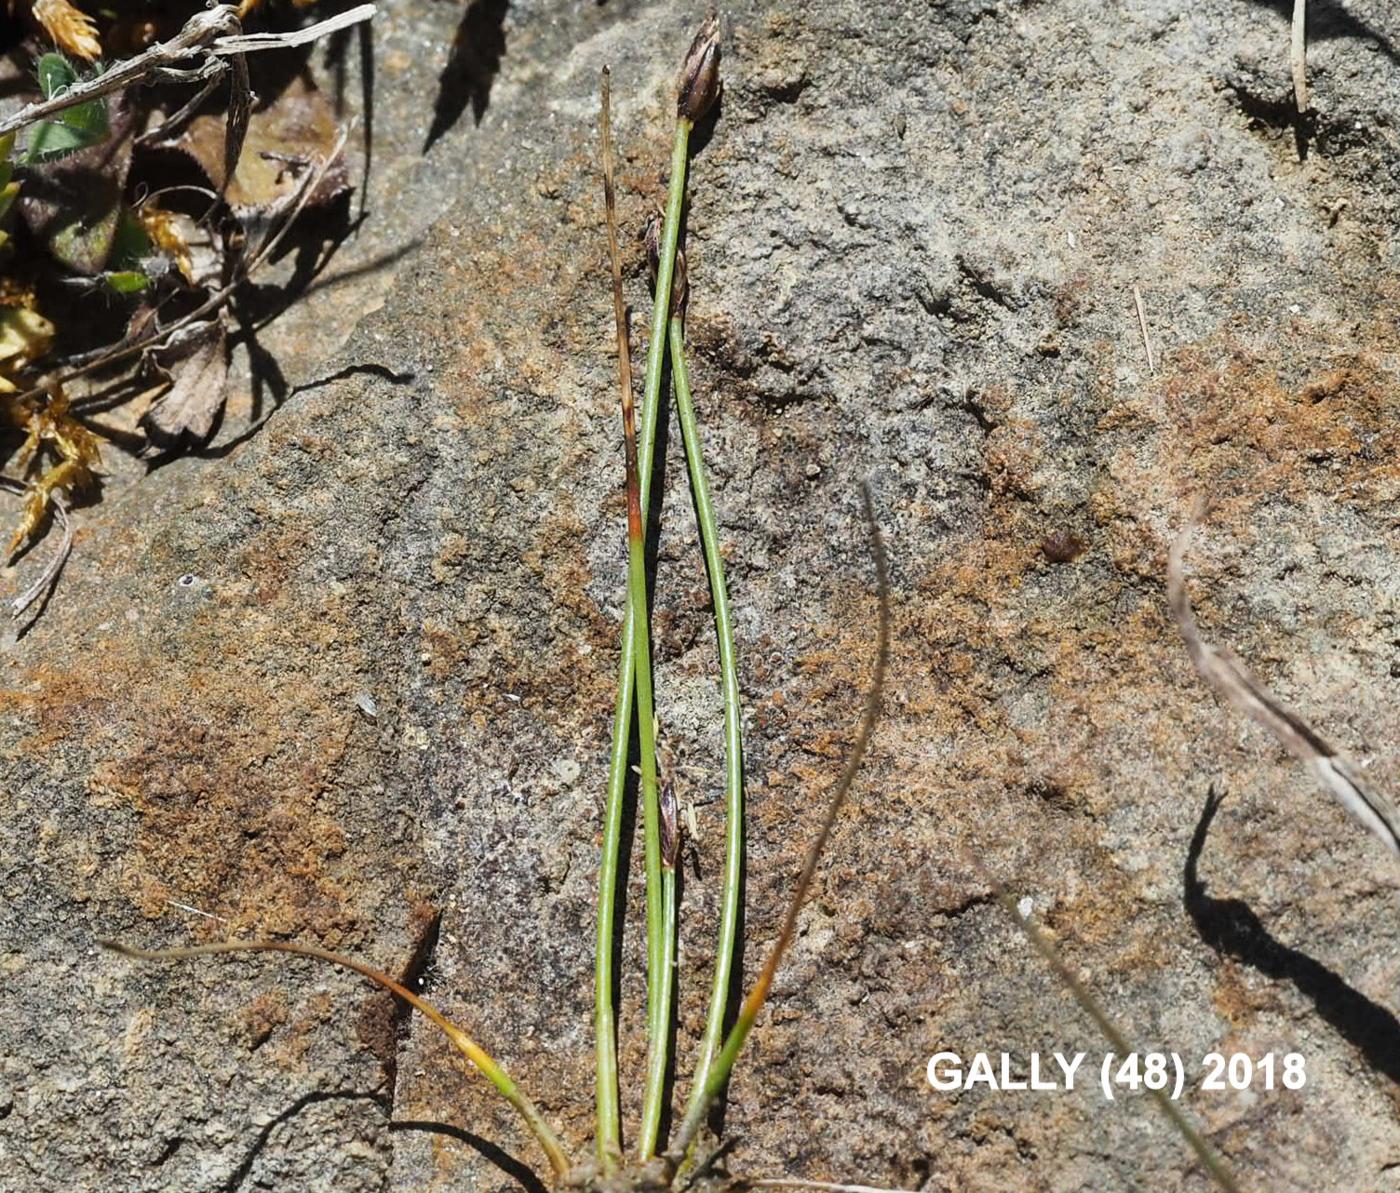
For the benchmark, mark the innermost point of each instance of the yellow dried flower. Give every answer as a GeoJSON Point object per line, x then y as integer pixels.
{"type": "Point", "coordinates": [51, 425]}
{"type": "Point", "coordinates": [160, 226]}
{"type": "Point", "coordinates": [72, 29]}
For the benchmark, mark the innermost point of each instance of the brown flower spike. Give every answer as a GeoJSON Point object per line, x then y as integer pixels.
{"type": "Point", "coordinates": [699, 81]}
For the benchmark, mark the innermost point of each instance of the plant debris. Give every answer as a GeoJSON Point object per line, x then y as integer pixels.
{"type": "Point", "coordinates": [1237, 686]}
{"type": "Point", "coordinates": [132, 216]}
{"type": "Point", "coordinates": [195, 361]}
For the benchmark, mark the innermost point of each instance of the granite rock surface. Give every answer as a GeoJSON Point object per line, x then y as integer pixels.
{"type": "Point", "coordinates": [354, 670]}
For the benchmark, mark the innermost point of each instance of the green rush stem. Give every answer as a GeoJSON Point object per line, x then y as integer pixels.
{"type": "Point", "coordinates": [468, 1047]}
{"type": "Point", "coordinates": [661, 934]}
{"type": "Point", "coordinates": [609, 1129]}
{"type": "Point", "coordinates": [733, 748]}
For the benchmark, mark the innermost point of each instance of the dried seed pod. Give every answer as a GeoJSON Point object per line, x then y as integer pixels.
{"type": "Point", "coordinates": [670, 826]}
{"type": "Point", "coordinates": [699, 79]}
{"type": "Point", "coordinates": [680, 280]}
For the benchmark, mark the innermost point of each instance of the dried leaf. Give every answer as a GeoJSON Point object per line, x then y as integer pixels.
{"type": "Point", "coordinates": [296, 127]}
{"type": "Point", "coordinates": [197, 363]}
{"type": "Point", "coordinates": [1235, 684]}
{"type": "Point", "coordinates": [170, 231]}
{"type": "Point", "coordinates": [72, 29]}
{"type": "Point", "coordinates": [25, 336]}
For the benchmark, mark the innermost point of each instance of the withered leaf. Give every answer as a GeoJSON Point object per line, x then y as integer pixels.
{"type": "Point", "coordinates": [298, 126]}
{"type": "Point", "coordinates": [72, 29]}
{"type": "Point", "coordinates": [25, 336]}
{"type": "Point", "coordinates": [196, 361]}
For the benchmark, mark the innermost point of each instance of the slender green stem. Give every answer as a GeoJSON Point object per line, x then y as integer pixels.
{"type": "Point", "coordinates": [733, 749]}
{"type": "Point", "coordinates": [605, 1013]}
{"type": "Point", "coordinates": [609, 1125]}
{"type": "Point", "coordinates": [660, 931]}
{"type": "Point", "coordinates": [497, 1076]}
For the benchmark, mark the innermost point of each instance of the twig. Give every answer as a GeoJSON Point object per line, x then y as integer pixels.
{"type": "Point", "coordinates": [1234, 683]}
{"type": "Point", "coordinates": [191, 41]}
{"type": "Point", "coordinates": [247, 43]}
{"type": "Point", "coordinates": [1142, 327]}
{"type": "Point", "coordinates": [214, 32]}
{"type": "Point", "coordinates": [1298, 55]}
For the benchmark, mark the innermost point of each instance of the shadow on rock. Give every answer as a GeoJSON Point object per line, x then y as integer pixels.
{"type": "Point", "coordinates": [1230, 927]}
{"type": "Point", "coordinates": [471, 68]}
{"type": "Point", "coordinates": [517, 1170]}
{"type": "Point", "coordinates": [245, 1169]}
{"type": "Point", "coordinates": [1327, 20]}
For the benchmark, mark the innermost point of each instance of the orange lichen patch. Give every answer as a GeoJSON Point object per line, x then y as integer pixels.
{"type": "Point", "coordinates": [60, 704]}
{"type": "Point", "coordinates": [261, 1017]}
{"type": "Point", "coordinates": [229, 833]}
{"type": "Point", "coordinates": [228, 760]}
{"type": "Point", "coordinates": [1232, 418]}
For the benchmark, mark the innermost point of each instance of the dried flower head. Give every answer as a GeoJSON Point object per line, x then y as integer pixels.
{"type": "Point", "coordinates": [699, 80]}
{"type": "Point", "coordinates": [72, 30]}
{"type": "Point", "coordinates": [50, 426]}
{"type": "Point", "coordinates": [680, 281]}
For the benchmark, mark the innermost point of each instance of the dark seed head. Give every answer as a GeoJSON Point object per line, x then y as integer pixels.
{"type": "Point", "coordinates": [670, 826]}
{"type": "Point", "coordinates": [699, 80]}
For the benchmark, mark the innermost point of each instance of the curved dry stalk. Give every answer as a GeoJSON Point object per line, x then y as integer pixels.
{"type": "Point", "coordinates": [758, 995]}
{"type": "Point", "coordinates": [1113, 1034]}
{"type": "Point", "coordinates": [1239, 688]}
{"type": "Point", "coordinates": [493, 1072]}
{"type": "Point", "coordinates": [1298, 55]}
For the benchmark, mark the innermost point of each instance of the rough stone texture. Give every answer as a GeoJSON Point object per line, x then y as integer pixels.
{"type": "Point", "coordinates": [913, 244]}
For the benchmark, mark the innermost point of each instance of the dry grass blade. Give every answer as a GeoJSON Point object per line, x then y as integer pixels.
{"type": "Point", "coordinates": [244, 43]}
{"type": "Point", "coordinates": [1298, 55]}
{"type": "Point", "coordinates": [1111, 1032]}
{"type": "Point", "coordinates": [468, 1047]}
{"type": "Point", "coordinates": [1234, 683]}
{"type": "Point", "coordinates": [1142, 327]}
